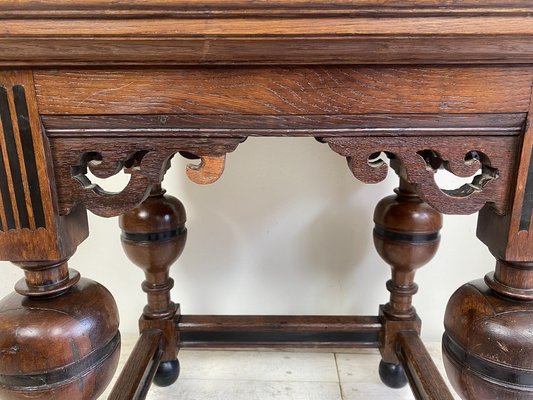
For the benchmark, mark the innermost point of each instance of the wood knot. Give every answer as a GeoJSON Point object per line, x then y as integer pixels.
{"type": "Point", "coordinates": [208, 171]}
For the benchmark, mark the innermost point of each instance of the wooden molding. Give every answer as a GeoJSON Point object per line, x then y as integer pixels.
{"type": "Point", "coordinates": [166, 8]}
{"type": "Point", "coordinates": [170, 32]}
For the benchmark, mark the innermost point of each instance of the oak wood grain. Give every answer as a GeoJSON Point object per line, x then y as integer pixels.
{"type": "Point", "coordinates": [281, 91]}
{"type": "Point", "coordinates": [252, 27]}
{"type": "Point", "coordinates": [265, 50]}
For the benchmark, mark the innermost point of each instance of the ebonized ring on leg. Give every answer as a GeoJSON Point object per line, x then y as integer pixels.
{"type": "Point", "coordinates": [153, 237]}
{"type": "Point", "coordinates": [406, 236]}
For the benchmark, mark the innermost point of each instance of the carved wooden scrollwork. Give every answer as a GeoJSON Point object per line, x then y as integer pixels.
{"type": "Point", "coordinates": [417, 159]}
{"type": "Point", "coordinates": [145, 160]}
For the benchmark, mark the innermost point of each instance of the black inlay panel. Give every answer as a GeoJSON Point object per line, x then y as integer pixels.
{"type": "Point", "coordinates": [277, 337]}
{"type": "Point", "coordinates": [4, 191]}
{"type": "Point", "coordinates": [14, 163]}
{"type": "Point", "coordinates": [527, 203]}
{"type": "Point", "coordinates": [153, 236]}
{"type": "Point", "coordinates": [30, 162]}
{"type": "Point", "coordinates": [60, 375]}
{"type": "Point", "coordinates": [405, 237]}
{"type": "Point", "coordinates": [492, 370]}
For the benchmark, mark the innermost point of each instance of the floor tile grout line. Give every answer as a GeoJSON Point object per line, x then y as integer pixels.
{"type": "Point", "coordinates": [253, 380]}
{"type": "Point", "coordinates": [338, 375]}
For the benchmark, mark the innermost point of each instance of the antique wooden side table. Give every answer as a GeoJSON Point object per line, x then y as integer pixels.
{"type": "Point", "coordinates": [125, 85]}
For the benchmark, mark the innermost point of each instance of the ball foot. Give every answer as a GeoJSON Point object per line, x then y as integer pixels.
{"type": "Point", "coordinates": [167, 373]}
{"type": "Point", "coordinates": [392, 375]}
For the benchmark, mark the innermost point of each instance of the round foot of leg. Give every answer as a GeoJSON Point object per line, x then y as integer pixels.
{"type": "Point", "coordinates": [392, 375]}
{"type": "Point", "coordinates": [167, 373]}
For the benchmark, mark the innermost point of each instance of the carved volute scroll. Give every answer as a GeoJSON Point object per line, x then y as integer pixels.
{"type": "Point", "coordinates": [208, 171]}
{"type": "Point", "coordinates": [145, 160]}
{"type": "Point", "coordinates": [419, 158]}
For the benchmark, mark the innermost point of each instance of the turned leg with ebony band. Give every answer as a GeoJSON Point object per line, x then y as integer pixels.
{"type": "Point", "coordinates": [153, 237]}
{"type": "Point", "coordinates": [406, 236]}
{"type": "Point", "coordinates": [488, 339]}
{"type": "Point", "coordinates": [59, 335]}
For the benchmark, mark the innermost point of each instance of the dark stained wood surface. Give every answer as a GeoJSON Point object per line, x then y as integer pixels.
{"type": "Point", "coordinates": [487, 344]}
{"type": "Point", "coordinates": [136, 377]}
{"type": "Point", "coordinates": [285, 91]}
{"type": "Point", "coordinates": [58, 347]}
{"type": "Point", "coordinates": [153, 238]}
{"type": "Point", "coordinates": [278, 331]}
{"type": "Point", "coordinates": [124, 85]}
{"type": "Point", "coordinates": [425, 379]}
{"type": "Point", "coordinates": [510, 237]}
{"type": "Point", "coordinates": [144, 159]}
{"type": "Point", "coordinates": [367, 155]}
{"type": "Point", "coordinates": [30, 229]}
{"type": "Point", "coordinates": [231, 125]}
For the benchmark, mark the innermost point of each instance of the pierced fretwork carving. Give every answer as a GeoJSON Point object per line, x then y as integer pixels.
{"type": "Point", "coordinates": [416, 159]}
{"type": "Point", "coordinates": [145, 160]}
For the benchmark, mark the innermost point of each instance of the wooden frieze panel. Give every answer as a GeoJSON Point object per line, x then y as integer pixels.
{"type": "Point", "coordinates": [285, 91]}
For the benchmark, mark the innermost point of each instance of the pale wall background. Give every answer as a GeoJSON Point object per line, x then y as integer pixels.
{"type": "Point", "coordinates": [286, 230]}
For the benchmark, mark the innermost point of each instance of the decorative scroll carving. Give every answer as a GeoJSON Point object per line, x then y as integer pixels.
{"type": "Point", "coordinates": [417, 159]}
{"type": "Point", "coordinates": [144, 159]}
{"type": "Point", "coordinates": [208, 171]}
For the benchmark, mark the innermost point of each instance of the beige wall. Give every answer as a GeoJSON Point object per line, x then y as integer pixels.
{"type": "Point", "coordinates": [287, 230]}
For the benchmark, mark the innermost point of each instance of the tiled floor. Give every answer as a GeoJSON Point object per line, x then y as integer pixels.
{"type": "Point", "coordinates": [280, 375]}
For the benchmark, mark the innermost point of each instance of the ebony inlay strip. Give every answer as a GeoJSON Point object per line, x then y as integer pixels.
{"type": "Point", "coordinates": [274, 337]}
{"type": "Point", "coordinates": [28, 150]}
{"type": "Point", "coordinates": [6, 198]}
{"type": "Point", "coordinates": [405, 237]}
{"type": "Point", "coordinates": [527, 203]}
{"type": "Point", "coordinates": [153, 236]}
{"type": "Point", "coordinates": [279, 331]}
{"type": "Point", "coordinates": [480, 366]}
{"type": "Point", "coordinates": [14, 162]}
{"type": "Point", "coordinates": [89, 362]}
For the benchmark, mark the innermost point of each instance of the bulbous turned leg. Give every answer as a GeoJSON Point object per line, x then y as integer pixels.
{"type": "Point", "coordinates": [406, 236]}
{"type": "Point", "coordinates": [153, 237]}
{"type": "Point", "coordinates": [488, 340]}
{"type": "Point", "coordinates": [59, 336]}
